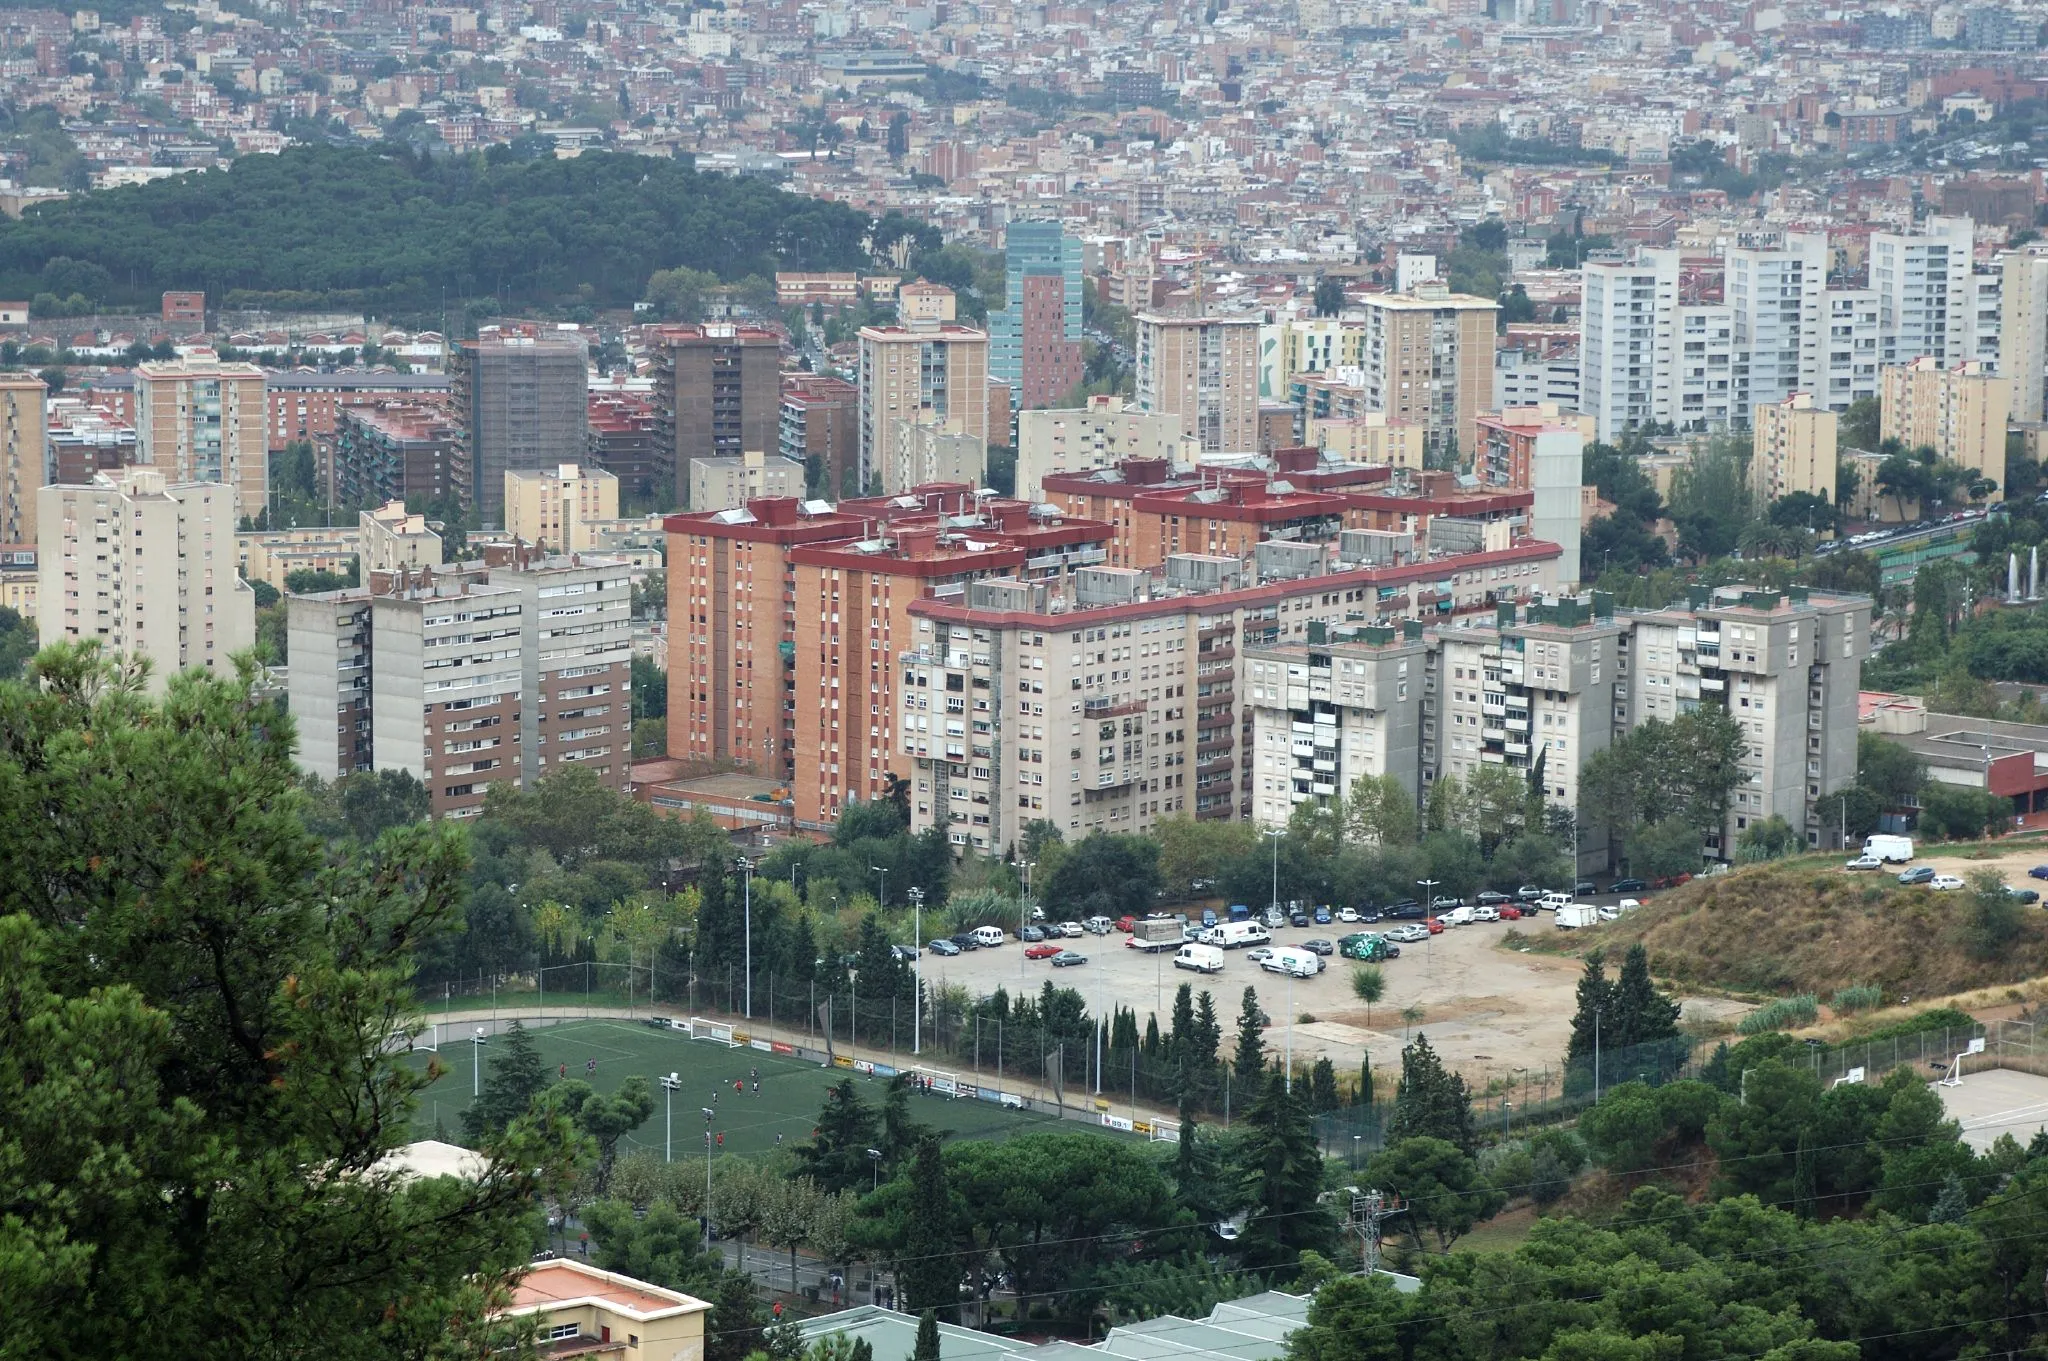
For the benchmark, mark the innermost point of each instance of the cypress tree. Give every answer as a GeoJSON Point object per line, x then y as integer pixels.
{"type": "Point", "coordinates": [1595, 999]}
{"type": "Point", "coordinates": [929, 1272]}
{"type": "Point", "coordinates": [1364, 1094]}
{"type": "Point", "coordinates": [927, 1345]}
{"type": "Point", "coordinates": [1250, 1063]}
{"type": "Point", "coordinates": [1322, 1085]}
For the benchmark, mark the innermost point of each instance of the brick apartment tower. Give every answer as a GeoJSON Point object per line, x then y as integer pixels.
{"type": "Point", "coordinates": [718, 391]}
{"type": "Point", "coordinates": [1052, 364]}
{"type": "Point", "coordinates": [521, 401]}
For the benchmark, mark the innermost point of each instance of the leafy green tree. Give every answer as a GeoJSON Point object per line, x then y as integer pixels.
{"type": "Point", "coordinates": [1951, 812]}
{"type": "Point", "coordinates": [1380, 811]}
{"type": "Point", "coordinates": [196, 1074]}
{"type": "Point", "coordinates": [1352, 1318]}
{"type": "Point", "coordinates": [1250, 1062]}
{"type": "Point", "coordinates": [605, 1117]}
{"type": "Point", "coordinates": [1756, 1138]}
{"type": "Point", "coordinates": [836, 1156]}
{"type": "Point", "coordinates": [1368, 985]}
{"type": "Point", "coordinates": [650, 689]}
{"type": "Point", "coordinates": [517, 1076]}
{"type": "Point", "coordinates": [1995, 915]}
{"type": "Point", "coordinates": [1770, 838]}
{"type": "Point", "coordinates": [17, 642]}
{"type": "Point", "coordinates": [1642, 1015]}
{"type": "Point", "coordinates": [1432, 1101]}
{"type": "Point", "coordinates": [1859, 426]}
{"type": "Point", "coordinates": [1888, 769]}
{"type": "Point", "coordinates": [1323, 1096]}
{"type": "Point", "coordinates": [1658, 850]}
{"type": "Point", "coordinates": [1440, 1186]}
{"type": "Point", "coordinates": [1329, 297]}
{"type": "Point", "coordinates": [1104, 875]}
{"type": "Point", "coordinates": [374, 801]}
{"type": "Point", "coordinates": [1624, 1129]}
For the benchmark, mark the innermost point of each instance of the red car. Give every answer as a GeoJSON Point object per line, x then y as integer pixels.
{"type": "Point", "coordinates": [1510, 913]}
{"type": "Point", "coordinates": [1045, 951]}
{"type": "Point", "coordinates": [1436, 926]}
{"type": "Point", "coordinates": [1126, 924]}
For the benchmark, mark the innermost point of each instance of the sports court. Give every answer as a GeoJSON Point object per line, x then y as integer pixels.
{"type": "Point", "coordinates": [605, 1053]}
{"type": "Point", "coordinates": [1994, 1101]}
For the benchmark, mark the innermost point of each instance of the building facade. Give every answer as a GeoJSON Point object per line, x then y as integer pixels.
{"type": "Point", "coordinates": [201, 420]}
{"type": "Point", "coordinates": [556, 506]}
{"type": "Point", "coordinates": [1203, 372]}
{"type": "Point", "coordinates": [24, 470]}
{"type": "Point", "coordinates": [521, 400]}
{"type": "Point", "coordinates": [1960, 411]}
{"type": "Point", "coordinates": [820, 427]}
{"type": "Point", "coordinates": [1101, 434]}
{"type": "Point", "coordinates": [725, 483]}
{"type": "Point", "coordinates": [328, 637]}
{"type": "Point", "coordinates": [397, 450]}
{"type": "Point", "coordinates": [1792, 449]}
{"type": "Point", "coordinates": [718, 392]}
{"type": "Point", "coordinates": [147, 567]}
{"type": "Point", "coordinates": [1427, 359]}
{"type": "Point", "coordinates": [1035, 337]}
{"type": "Point", "coordinates": [926, 372]}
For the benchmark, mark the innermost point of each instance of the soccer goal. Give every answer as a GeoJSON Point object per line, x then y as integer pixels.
{"type": "Point", "coordinates": [937, 1083]}
{"type": "Point", "coordinates": [718, 1031]}
{"type": "Point", "coordinates": [1167, 1131]}
{"type": "Point", "coordinates": [425, 1040]}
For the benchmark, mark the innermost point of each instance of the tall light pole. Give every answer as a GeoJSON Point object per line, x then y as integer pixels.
{"type": "Point", "coordinates": [1023, 910]}
{"type": "Point", "coordinates": [476, 1063]}
{"type": "Point", "coordinates": [708, 1113]}
{"type": "Point", "coordinates": [1276, 833]}
{"type": "Point", "coordinates": [747, 920]}
{"type": "Point", "coordinates": [916, 896]}
{"type": "Point", "coordinates": [668, 1138]}
{"type": "Point", "coordinates": [1428, 887]}
{"type": "Point", "coordinates": [885, 885]}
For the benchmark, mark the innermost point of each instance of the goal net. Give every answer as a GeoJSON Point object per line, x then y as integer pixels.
{"type": "Point", "coordinates": [1167, 1131]}
{"type": "Point", "coordinates": [426, 1039]}
{"type": "Point", "coordinates": [717, 1031]}
{"type": "Point", "coordinates": [936, 1082]}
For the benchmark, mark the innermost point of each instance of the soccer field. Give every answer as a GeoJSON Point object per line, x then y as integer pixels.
{"type": "Point", "coordinates": [605, 1053]}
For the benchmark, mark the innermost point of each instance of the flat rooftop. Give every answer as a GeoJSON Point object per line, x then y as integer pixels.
{"type": "Point", "coordinates": [1251, 1329]}
{"type": "Point", "coordinates": [554, 1283]}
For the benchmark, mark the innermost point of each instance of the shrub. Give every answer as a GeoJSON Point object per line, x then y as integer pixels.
{"type": "Point", "coordinates": [1934, 1018]}
{"type": "Point", "coordinates": [1783, 1014]}
{"type": "Point", "coordinates": [1863, 997]}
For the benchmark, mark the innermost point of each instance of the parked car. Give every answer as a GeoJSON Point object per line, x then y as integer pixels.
{"type": "Point", "coordinates": [1865, 862]}
{"type": "Point", "coordinates": [1041, 951]}
{"type": "Point", "coordinates": [1945, 883]}
{"type": "Point", "coordinates": [1528, 893]}
{"type": "Point", "coordinates": [1322, 915]}
{"type": "Point", "coordinates": [906, 953]}
{"type": "Point", "coordinates": [1068, 929]}
{"type": "Point", "coordinates": [1126, 924]}
{"type": "Point", "coordinates": [942, 946]}
{"type": "Point", "coordinates": [1066, 959]}
{"type": "Point", "coordinates": [1408, 934]}
{"type": "Point", "coordinates": [1446, 903]}
{"type": "Point", "coordinates": [1031, 934]}
{"type": "Point", "coordinates": [1584, 886]}
{"type": "Point", "coordinates": [1489, 898]}
{"type": "Point", "coordinates": [1919, 874]}
{"type": "Point", "coordinates": [1672, 880]}
{"type": "Point", "coordinates": [1038, 914]}
{"type": "Point", "coordinates": [1371, 914]}
{"type": "Point", "coordinates": [1096, 926]}
{"type": "Point", "coordinates": [1510, 913]}
{"type": "Point", "coordinates": [1628, 886]}
{"type": "Point", "coordinates": [2038, 872]}
{"type": "Point", "coordinates": [1260, 955]}
{"type": "Point", "coordinates": [1318, 946]}
{"type": "Point", "coordinates": [2025, 895]}
{"type": "Point", "coordinates": [1435, 925]}
{"type": "Point", "coordinates": [1407, 912]}
{"type": "Point", "coordinates": [1487, 912]}
{"type": "Point", "coordinates": [1297, 917]}
{"type": "Point", "coordinates": [1347, 914]}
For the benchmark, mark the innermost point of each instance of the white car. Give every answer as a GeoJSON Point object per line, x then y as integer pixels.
{"type": "Point", "coordinates": [1865, 862]}
{"type": "Point", "coordinates": [1347, 914]}
{"type": "Point", "coordinates": [1486, 912]}
{"type": "Point", "coordinates": [1946, 883]}
{"type": "Point", "coordinates": [1258, 956]}
{"type": "Point", "coordinates": [1068, 929]}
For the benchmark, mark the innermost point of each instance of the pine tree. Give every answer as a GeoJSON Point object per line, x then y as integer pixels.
{"type": "Point", "coordinates": [1323, 1086]}
{"type": "Point", "coordinates": [517, 1076]}
{"type": "Point", "coordinates": [1642, 1015]}
{"type": "Point", "coordinates": [1596, 1007]}
{"type": "Point", "coordinates": [837, 1157]}
{"type": "Point", "coordinates": [929, 1273]}
{"type": "Point", "coordinates": [927, 1345]}
{"type": "Point", "coordinates": [1287, 1178]}
{"type": "Point", "coordinates": [1250, 1062]}
{"type": "Point", "coordinates": [1180, 1039]}
{"type": "Point", "coordinates": [1431, 1101]}
{"type": "Point", "coordinates": [1952, 1206]}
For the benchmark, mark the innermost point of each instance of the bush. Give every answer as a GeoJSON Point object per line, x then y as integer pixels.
{"type": "Point", "coordinates": [1848, 1001]}
{"type": "Point", "coordinates": [1934, 1018]}
{"type": "Point", "coordinates": [1783, 1014]}
{"type": "Point", "coordinates": [1686, 1107]}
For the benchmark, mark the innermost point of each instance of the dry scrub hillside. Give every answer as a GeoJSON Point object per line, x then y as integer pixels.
{"type": "Point", "coordinates": [1809, 926]}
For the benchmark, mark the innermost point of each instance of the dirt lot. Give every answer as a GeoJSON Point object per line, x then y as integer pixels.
{"type": "Point", "coordinates": [1490, 1011]}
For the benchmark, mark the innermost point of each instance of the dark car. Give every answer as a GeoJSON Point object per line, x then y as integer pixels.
{"type": "Point", "coordinates": [1318, 947]}
{"type": "Point", "coordinates": [1584, 886]}
{"type": "Point", "coordinates": [966, 941]}
{"type": "Point", "coordinates": [1066, 959]}
{"type": "Point", "coordinates": [2025, 895]}
{"type": "Point", "coordinates": [1322, 915]}
{"type": "Point", "coordinates": [905, 953]}
{"type": "Point", "coordinates": [1371, 914]}
{"type": "Point", "coordinates": [1491, 899]}
{"type": "Point", "coordinates": [1628, 886]}
{"type": "Point", "coordinates": [1409, 911]}
{"type": "Point", "coordinates": [1031, 934]}
{"type": "Point", "coordinates": [1297, 918]}
{"type": "Point", "coordinates": [2038, 872]}
{"type": "Point", "coordinates": [1919, 874]}
{"type": "Point", "coordinates": [942, 946]}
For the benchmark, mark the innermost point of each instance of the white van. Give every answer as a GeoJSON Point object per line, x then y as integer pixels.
{"type": "Point", "coordinates": [1572, 916]}
{"type": "Point", "coordinates": [1898, 849]}
{"type": "Point", "coordinates": [1200, 958]}
{"type": "Point", "coordinates": [988, 937]}
{"type": "Point", "coordinates": [1289, 960]}
{"type": "Point", "coordinates": [1458, 916]}
{"type": "Point", "coordinates": [1551, 902]}
{"type": "Point", "coordinates": [1236, 935]}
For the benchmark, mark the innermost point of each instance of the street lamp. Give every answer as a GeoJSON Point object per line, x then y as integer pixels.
{"type": "Point", "coordinates": [668, 1138]}
{"type": "Point", "coordinates": [875, 1164]}
{"type": "Point", "coordinates": [747, 909]}
{"type": "Point", "coordinates": [885, 885]}
{"type": "Point", "coordinates": [1428, 887]}
{"type": "Point", "coordinates": [1276, 833]}
{"type": "Point", "coordinates": [916, 896]}
{"type": "Point", "coordinates": [1023, 909]}
{"type": "Point", "coordinates": [708, 1113]}
{"type": "Point", "coordinates": [476, 1063]}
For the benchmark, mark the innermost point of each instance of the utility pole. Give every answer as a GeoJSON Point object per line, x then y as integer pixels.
{"type": "Point", "coordinates": [476, 1063]}
{"type": "Point", "coordinates": [747, 919]}
{"type": "Point", "coordinates": [668, 1138]}
{"type": "Point", "coordinates": [1368, 1208]}
{"type": "Point", "coordinates": [917, 970]}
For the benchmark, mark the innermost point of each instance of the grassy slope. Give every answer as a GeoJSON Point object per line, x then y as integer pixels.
{"type": "Point", "coordinates": [1809, 926]}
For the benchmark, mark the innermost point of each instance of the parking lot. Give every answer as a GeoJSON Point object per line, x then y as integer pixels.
{"type": "Point", "coordinates": [1490, 1011]}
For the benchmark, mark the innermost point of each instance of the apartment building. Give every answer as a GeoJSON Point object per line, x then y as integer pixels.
{"type": "Point", "coordinates": [927, 452]}
{"type": "Point", "coordinates": [1961, 411]}
{"type": "Point", "coordinates": [1332, 711]}
{"type": "Point", "coordinates": [1155, 511]}
{"type": "Point", "coordinates": [328, 636]}
{"type": "Point", "coordinates": [1204, 372]}
{"type": "Point", "coordinates": [820, 420]}
{"type": "Point", "coordinates": [1626, 358]}
{"type": "Point", "coordinates": [578, 1310]}
{"type": "Point", "coordinates": [389, 540]}
{"type": "Point", "coordinates": [557, 505]}
{"type": "Point", "coordinates": [200, 420]}
{"type": "Point", "coordinates": [445, 686]}
{"type": "Point", "coordinates": [1114, 698]}
{"type": "Point", "coordinates": [726, 483]}
{"type": "Point", "coordinates": [576, 654]}
{"type": "Point", "coordinates": [147, 567]}
{"type": "Point", "coordinates": [718, 392]}
{"type": "Point", "coordinates": [1792, 449]}
{"type": "Point", "coordinates": [1542, 452]}
{"type": "Point", "coordinates": [521, 400]}
{"type": "Point", "coordinates": [1543, 688]}
{"type": "Point", "coordinates": [1852, 346]}
{"type": "Point", "coordinates": [308, 405]}
{"type": "Point", "coordinates": [1527, 376]}
{"type": "Point", "coordinates": [1099, 435]}
{"type": "Point", "coordinates": [928, 371]}
{"type": "Point", "coordinates": [2023, 332]}
{"type": "Point", "coordinates": [1707, 382]}
{"type": "Point", "coordinates": [1035, 337]}
{"type": "Point", "coordinates": [1309, 345]}
{"type": "Point", "coordinates": [625, 441]}
{"type": "Point", "coordinates": [1372, 439]}
{"type": "Point", "coordinates": [1775, 298]}
{"type": "Point", "coordinates": [18, 578]}
{"type": "Point", "coordinates": [272, 555]}
{"type": "Point", "coordinates": [24, 455]}
{"type": "Point", "coordinates": [83, 440]}
{"type": "Point", "coordinates": [396, 449]}
{"type": "Point", "coordinates": [1926, 305]}
{"type": "Point", "coordinates": [1427, 359]}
